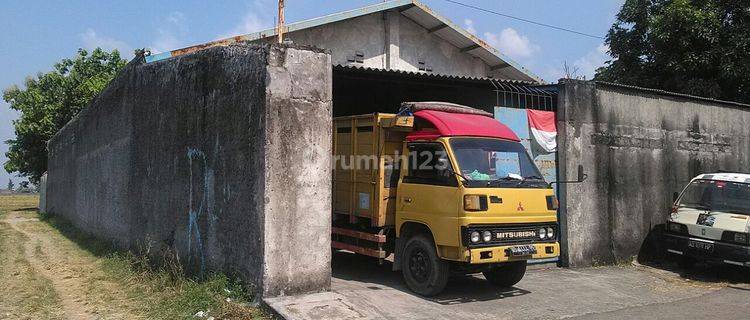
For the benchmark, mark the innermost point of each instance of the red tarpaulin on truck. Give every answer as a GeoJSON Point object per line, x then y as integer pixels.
{"type": "Point", "coordinates": [460, 124]}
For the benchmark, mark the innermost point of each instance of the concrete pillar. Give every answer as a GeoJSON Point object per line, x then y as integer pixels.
{"type": "Point", "coordinates": [298, 143]}
{"type": "Point", "coordinates": [393, 56]}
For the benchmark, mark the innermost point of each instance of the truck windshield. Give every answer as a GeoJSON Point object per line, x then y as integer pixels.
{"type": "Point", "coordinates": [711, 195]}
{"type": "Point", "coordinates": [487, 162]}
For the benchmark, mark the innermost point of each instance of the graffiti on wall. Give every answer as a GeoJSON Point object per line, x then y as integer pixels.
{"type": "Point", "coordinates": [199, 190]}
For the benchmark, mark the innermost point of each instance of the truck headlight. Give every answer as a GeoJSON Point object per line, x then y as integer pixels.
{"type": "Point", "coordinates": [473, 202]}
{"type": "Point", "coordinates": [552, 203]}
{"type": "Point", "coordinates": [542, 233]}
{"type": "Point", "coordinates": [486, 236]}
{"type": "Point", "coordinates": [550, 233]}
{"type": "Point", "coordinates": [474, 236]}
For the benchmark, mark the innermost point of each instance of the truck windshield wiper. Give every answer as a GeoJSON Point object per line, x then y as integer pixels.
{"type": "Point", "coordinates": [504, 179]}
{"type": "Point", "coordinates": [532, 179]}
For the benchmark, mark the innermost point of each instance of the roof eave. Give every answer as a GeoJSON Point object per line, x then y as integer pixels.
{"type": "Point", "coordinates": [402, 5]}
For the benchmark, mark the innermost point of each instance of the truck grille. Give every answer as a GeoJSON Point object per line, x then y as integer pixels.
{"type": "Point", "coordinates": [507, 234]}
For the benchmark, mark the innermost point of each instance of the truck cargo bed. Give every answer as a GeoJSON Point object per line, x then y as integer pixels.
{"type": "Point", "coordinates": [366, 150]}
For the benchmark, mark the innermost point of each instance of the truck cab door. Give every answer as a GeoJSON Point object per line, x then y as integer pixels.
{"type": "Point", "coordinates": [428, 193]}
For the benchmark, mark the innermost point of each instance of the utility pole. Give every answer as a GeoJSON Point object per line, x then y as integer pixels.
{"type": "Point", "coordinates": [280, 23]}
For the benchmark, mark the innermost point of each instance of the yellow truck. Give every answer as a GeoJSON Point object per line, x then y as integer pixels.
{"type": "Point", "coordinates": [445, 188]}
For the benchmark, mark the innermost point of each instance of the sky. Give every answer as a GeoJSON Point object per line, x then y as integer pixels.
{"type": "Point", "coordinates": [36, 34]}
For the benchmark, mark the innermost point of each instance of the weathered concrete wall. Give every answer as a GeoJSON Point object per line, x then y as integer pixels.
{"type": "Point", "coordinates": [200, 155]}
{"type": "Point", "coordinates": [298, 173]}
{"type": "Point", "coordinates": [638, 147]}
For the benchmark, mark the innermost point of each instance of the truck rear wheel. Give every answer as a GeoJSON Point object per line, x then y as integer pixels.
{"type": "Point", "coordinates": [507, 274]}
{"type": "Point", "coordinates": [424, 272]}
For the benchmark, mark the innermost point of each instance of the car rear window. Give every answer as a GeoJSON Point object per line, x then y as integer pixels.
{"type": "Point", "coordinates": [713, 195]}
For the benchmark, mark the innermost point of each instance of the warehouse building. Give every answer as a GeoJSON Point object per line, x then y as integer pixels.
{"type": "Point", "coordinates": [402, 50]}
{"type": "Point", "coordinates": [194, 152]}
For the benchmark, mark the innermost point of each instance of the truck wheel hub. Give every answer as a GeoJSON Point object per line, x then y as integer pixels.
{"type": "Point", "coordinates": [419, 266]}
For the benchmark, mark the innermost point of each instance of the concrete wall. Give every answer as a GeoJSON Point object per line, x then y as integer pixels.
{"type": "Point", "coordinates": [638, 147]}
{"type": "Point", "coordinates": [43, 193]}
{"type": "Point", "coordinates": [202, 156]}
{"type": "Point", "coordinates": [390, 40]}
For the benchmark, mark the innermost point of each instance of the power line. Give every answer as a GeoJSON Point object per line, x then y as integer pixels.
{"type": "Point", "coordinates": [524, 20]}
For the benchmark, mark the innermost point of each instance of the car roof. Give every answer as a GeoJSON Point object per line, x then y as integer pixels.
{"type": "Point", "coordinates": [725, 176]}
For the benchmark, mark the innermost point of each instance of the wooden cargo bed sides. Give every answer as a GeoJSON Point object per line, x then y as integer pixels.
{"type": "Point", "coordinates": [365, 243]}
{"type": "Point", "coordinates": [366, 149]}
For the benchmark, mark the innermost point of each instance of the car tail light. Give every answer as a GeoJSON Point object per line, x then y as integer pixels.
{"type": "Point", "coordinates": [677, 228]}
{"type": "Point", "coordinates": [736, 237]}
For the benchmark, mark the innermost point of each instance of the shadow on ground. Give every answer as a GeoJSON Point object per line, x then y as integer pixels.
{"type": "Point", "coordinates": [460, 289]}
{"type": "Point", "coordinates": [654, 254]}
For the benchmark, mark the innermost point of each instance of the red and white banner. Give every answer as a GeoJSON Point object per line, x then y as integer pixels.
{"type": "Point", "coordinates": [543, 128]}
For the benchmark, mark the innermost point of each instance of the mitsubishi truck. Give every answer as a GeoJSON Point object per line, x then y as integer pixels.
{"type": "Point", "coordinates": [446, 189]}
{"type": "Point", "coordinates": [710, 220]}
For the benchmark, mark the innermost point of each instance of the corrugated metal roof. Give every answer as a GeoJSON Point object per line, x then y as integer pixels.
{"type": "Point", "coordinates": [414, 10]}
{"type": "Point", "coordinates": [429, 75]}
{"type": "Point", "coordinates": [667, 93]}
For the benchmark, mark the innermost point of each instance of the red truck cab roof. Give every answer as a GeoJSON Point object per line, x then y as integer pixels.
{"type": "Point", "coordinates": [448, 124]}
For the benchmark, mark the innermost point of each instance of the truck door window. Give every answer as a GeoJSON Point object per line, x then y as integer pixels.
{"type": "Point", "coordinates": [428, 163]}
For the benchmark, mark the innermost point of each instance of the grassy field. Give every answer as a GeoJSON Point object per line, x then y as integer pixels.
{"type": "Point", "coordinates": [49, 270]}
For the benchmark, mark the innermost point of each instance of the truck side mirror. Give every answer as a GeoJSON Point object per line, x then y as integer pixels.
{"type": "Point", "coordinates": [675, 196]}
{"type": "Point", "coordinates": [581, 175]}
{"type": "Point", "coordinates": [443, 168]}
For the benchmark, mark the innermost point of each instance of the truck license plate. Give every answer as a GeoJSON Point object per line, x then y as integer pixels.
{"type": "Point", "coordinates": [524, 250]}
{"type": "Point", "coordinates": [701, 246]}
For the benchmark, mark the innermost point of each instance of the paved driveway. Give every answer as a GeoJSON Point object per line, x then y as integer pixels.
{"type": "Point", "coordinates": [363, 290]}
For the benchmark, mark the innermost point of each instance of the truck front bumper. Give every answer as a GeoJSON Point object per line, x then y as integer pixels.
{"type": "Point", "coordinates": [503, 254]}
{"type": "Point", "coordinates": [722, 252]}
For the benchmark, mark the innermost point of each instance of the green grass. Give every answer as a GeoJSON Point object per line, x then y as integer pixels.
{"type": "Point", "coordinates": [161, 287]}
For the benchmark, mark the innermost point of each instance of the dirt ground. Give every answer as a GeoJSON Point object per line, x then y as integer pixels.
{"type": "Point", "coordinates": [46, 273]}
{"type": "Point", "coordinates": [43, 275]}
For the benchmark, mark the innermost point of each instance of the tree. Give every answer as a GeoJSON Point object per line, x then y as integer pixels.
{"type": "Point", "coordinates": [23, 186]}
{"type": "Point", "coordinates": [49, 101]}
{"type": "Point", "coordinates": [11, 185]}
{"type": "Point", "coordinates": [698, 47]}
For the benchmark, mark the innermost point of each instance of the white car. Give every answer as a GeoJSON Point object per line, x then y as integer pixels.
{"type": "Point", "coordinates": [710, 220]}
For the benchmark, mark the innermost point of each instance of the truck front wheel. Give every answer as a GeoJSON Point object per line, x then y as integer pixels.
{"type": "Point", "coordinates": [507, 274]}
{"type": "Point", "coordinates": [424, 272]}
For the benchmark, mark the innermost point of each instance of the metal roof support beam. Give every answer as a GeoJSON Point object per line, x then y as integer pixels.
{"type": "Point", "coordinates": [438, 28]}
{"type": "Point", "coordinates": [471, 47]}
{"type": "Point", "coordinates": [407, 8]}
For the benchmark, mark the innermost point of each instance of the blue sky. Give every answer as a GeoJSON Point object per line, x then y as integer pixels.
{"type": "Point", "coordinates": [36, 34]}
